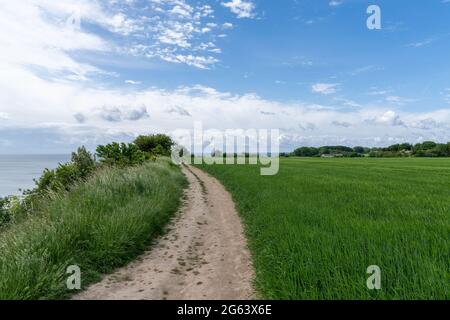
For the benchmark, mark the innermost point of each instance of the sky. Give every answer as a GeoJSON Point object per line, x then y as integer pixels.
{"type": "Point", "coordinates": [87, 72]}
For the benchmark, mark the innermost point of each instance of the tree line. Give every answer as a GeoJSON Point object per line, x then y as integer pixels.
{"type": "Point", "coordinates": [428, 149]}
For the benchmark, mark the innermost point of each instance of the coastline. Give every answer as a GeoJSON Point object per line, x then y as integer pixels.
{"type": "Point", "coordinates": [18, 171]}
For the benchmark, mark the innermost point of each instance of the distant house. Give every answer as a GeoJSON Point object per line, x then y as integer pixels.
{"type": "Point", "coordinates": [337, 155]}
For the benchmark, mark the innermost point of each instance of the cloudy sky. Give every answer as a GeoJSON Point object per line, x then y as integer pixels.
{"type": "Point", "coordinates": [86, 72]}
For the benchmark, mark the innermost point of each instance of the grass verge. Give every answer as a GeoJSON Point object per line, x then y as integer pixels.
{"type": "Point", "coordinates": [99, 225]}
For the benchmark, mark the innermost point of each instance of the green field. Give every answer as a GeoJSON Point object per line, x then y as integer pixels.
{"type": "Point", "coordinates": [99, 225]}
{"type": "Point", "coordinates": [315, 227]}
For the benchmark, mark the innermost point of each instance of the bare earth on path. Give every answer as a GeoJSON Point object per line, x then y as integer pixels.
{"type": "Point", "coordinates": [203, 256]}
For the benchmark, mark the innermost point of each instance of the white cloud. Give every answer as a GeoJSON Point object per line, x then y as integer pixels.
{"type": "Point", "coordinates": [426, 124]}
{"type": "Point", "coordinates": [29, 39]}
{"type": "Point", "coordinates": [132, 82]}
{"type": "Point", "coordinates": [446, 94]}
{"type": "Point", "coordinates": [325, 88]}
{"type": "Point", "coordinates": [164, 29]}
{"type": "Point", "coordinates": [335, 3]}
{"type": "Point", "coordinates": [348, 102]}
{"type": "Point", "coordinates": [377, 92]}
{"type": "Point", "coordinates": [227, 25]}
{"type": "Point", "coordinates": [388, 118]}
{"type": "Point", "coordinates": [242, 8]}
{"type": "Point", "coordinates": [365, 69]}
{"type": "Point", "coordinates": [191, 60]}
{"type": "Point", "coordinates": [398, 100]}
{"type": "Point", "coordinates": [75, 113]}
{"type": "Point", "coordinates": [423, 43]}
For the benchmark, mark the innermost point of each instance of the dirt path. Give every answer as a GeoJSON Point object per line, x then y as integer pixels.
{"type": "Point", "coordinates": [204, 255]}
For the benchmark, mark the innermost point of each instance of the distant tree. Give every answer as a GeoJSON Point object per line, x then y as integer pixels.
{"type": "Point", "coordinates": [306, 152]}
{"type": "Point", "coordinates": [425, 149]}
{"type": "Point", "coordinates": [359, 150]}
{"type": "Point", "coordinates": [428, 145]}
{"type": "Point", "coordinates": [406, 146]}
{"type": "Point", "coordinates": [353, 155]}
{"type": "Point", "coordinates": [441, 150]}
{"type": "Point", "coordinates": [392, 148]}
{"type": "Point", "coordinates": [121, 154]}
{"type": "Point", "coordinates": [334, 150]}
{"type": "Point", "coordinates": [159, 144]}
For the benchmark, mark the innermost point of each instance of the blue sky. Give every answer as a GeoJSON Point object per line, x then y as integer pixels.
{"type": "Point", "coordinates": [310, 68]}
{"type": "Point", "coordinates": [285, 49]}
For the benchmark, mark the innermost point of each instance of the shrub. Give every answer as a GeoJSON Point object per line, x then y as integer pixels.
{"type": "Point", "coordinates": [84, 162]}
{"type": "Point", "coordinates": [11, 208]}
{"type": "Point", "coordinates": [99, 225]}
{"type": "Point", "coordinates": [45, 182]}
{"type": "Point", "coordinates": [65, 176]}
{"type": "Point", "coordinates": [81, 166]}
{"type": "Point", "coordinates": [159, 150]}
{"type": "Point", "coordinates": [5, 214]}
{"type": "Point", "coordinates": [158, 144]}
{"type": "Point", "coordinates": [121, 155]}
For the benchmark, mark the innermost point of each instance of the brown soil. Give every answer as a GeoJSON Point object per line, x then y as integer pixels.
{"type": "Point", "coordinates": [203, 256]}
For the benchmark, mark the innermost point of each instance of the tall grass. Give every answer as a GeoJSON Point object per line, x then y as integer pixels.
{"type": "Point", "coordinates": [99, 225]}
{"type": "Point", "coordinates": [315, 227]}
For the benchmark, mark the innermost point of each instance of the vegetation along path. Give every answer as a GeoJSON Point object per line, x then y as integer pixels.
{"type": "Point", "coordinates": [203, 256]}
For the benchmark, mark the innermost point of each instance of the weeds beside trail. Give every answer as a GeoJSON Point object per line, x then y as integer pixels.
{"type": "Point", "coordinates": [98, 225]}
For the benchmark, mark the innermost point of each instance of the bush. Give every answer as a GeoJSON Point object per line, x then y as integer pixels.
{"type": "Point", "coordinates": [5, 214]}
{"type": "Point", "coordinates": [81, 166]}
{"type": "Point", "coordinates": [62, 179]}
{"type": "Point", "coordinates": [100, 225]}
{"type": "Point", "coordinates": [121, 155]}
{"type": "Point", "coordinates": [11, 208]}
{"type": "Point", "coordinates": [84, 162]}
{"type": "Point", "coordinates": [45, 182]}
{"type": "Point", "coordinates": [159, 144]}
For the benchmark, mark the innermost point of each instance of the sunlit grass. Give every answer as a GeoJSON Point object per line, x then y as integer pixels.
{"type": "Point", "coordinates": [100, 225]}
{"type": "Point", "coordinates": [316, 226]}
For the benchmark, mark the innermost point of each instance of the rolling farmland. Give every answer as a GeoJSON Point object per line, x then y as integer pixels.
{"type": "Point", "coordinates": [314, 228]}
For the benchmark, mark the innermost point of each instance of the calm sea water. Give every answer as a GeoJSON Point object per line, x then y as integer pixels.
{"type": "Point", "coordinates": [18, 171]}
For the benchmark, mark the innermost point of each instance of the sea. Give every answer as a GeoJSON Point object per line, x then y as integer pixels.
{"type": "Point", "coordinates": [18, 171]}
